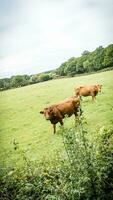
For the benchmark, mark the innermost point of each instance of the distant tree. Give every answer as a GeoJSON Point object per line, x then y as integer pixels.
{"type": "Point", "coordinates": [44, 77]}
{"type": "Point", "coordinates": [61, 70]}
{"type": "Point", "coordinates": [85, 53]}
{"type": "Point", "coordinates": [97, 58]}
{"type": "Point", "coordinates": [89, 61]}
{"type": "Point", "coordinates": [79, 65]}
{"type": "Point", "coordinates": [71, 59]}
{"type": "Point", "coordinates": [19, 80]}
{"type": "Point", "coordinates": [54, 75]}
{"type": "Point", "coordinates": [87, 66]}
{"type": "Point", "coordinates": [4, 83]}
{"type": "Point", "coordinates": [1, 84]}
{"type": "Point", "coordinates": [25, 80]}
{"type": "Point", "coordinates": [70, 69]}
{"type": "Point", "coordinates": [34, 79]}
{"type": "Point", "coordinates": [108, 58]}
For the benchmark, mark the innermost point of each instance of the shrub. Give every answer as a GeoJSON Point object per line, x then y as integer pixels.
{"type": "Point", "coordinates": [90, 163]}
{"type": "Point", "coordinates": [83, 172]}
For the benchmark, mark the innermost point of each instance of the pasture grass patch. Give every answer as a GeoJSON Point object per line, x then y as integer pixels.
{"type": "Point", "coordinates": [22, 122]}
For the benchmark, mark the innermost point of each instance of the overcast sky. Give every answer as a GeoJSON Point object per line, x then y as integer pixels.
{"type": "Point", "coordinates": [39, 35]}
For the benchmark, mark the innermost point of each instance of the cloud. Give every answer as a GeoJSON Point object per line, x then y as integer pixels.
{"type": "Point", "coordinates": [38, 35]}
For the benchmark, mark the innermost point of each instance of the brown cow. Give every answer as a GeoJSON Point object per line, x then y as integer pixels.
{"type": "Point", "coordinates": [56, 113]}
{"type": "Point", "coordinates": [88, 91]}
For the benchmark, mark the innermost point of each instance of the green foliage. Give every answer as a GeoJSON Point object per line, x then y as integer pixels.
{"type": "Point", "coordinates": [23, 80]}
{"type": "Point", "coordinates": [97, 58]}
{"type": "Point", "coordinates": [71, 67]}
{"type": "Point", "coordinates": [85, 53]}
{"type": "Point", "coordinates": [108, 58]}
{"type": "Point", "coordinates": [79, 65]}
{"type": "Point", "coordinates": [61, 70]}
{"type": "Point", "coordinates": [85, 172]}
{"type": "Point", "coordinates": [4, 84]}
{"type": "Point", "coordinates": [44, 77]}
{"type": "Point", "coordinates": [90, 162]}
{"type": "Point", "coordinates": [89, 61]}
{"type": "Point", "coordinates": [34, 79]}
{"type": "Point", "coordinates": [19, 80]}
{"type": "Point", "coordinates": [87, 66]}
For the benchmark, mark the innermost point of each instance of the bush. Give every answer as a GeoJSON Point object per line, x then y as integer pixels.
{"type": "Point", "coordinates": [84, 173]}
{"type": "Point", "coordinates": [90, 163]}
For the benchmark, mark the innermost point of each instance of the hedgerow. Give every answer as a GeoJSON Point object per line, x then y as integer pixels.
{"type": "Point", "coordinates": [83, 172]}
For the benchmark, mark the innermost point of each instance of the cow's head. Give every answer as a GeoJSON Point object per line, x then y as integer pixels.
{"type": "Point", "coordinates": [48, 113]}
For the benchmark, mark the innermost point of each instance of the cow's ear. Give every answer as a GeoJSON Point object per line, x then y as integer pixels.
{"type": "Point", "coordinates": [41, 112]}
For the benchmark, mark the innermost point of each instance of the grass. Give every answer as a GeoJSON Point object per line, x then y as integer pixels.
{"type": "Point", "coordinates": [22, 123]}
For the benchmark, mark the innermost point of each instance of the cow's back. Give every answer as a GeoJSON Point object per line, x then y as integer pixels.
{"type": "Point", "coordinates": [86, 90]}
{"type": "Point", "coordinates": [68, 107]}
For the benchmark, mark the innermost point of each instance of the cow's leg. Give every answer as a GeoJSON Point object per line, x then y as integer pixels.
{"type": "Point", "coordinates": [61, 122]}
{"type": "Point", "coordinates": [54, 128]}
{"type": "Point", "coordinates": [93, 98]}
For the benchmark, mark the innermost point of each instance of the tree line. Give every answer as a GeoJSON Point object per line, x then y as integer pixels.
{"type": "Point", "coordinates": [88, 62]}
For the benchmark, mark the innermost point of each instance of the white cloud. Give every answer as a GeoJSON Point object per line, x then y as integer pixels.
{"type": "Point", "coordinates": [40, 35]}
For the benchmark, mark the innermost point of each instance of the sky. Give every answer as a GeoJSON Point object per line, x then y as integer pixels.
{"type": "Point", "coordinates": [39, 35]}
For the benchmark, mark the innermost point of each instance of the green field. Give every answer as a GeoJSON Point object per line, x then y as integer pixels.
{"type": "Point", "coordinates": [22, 123]}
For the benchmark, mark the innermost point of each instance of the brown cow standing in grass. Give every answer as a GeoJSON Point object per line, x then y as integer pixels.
{"type": "Point", "coordinates": [56, 113]}
{"type": "Point", "coordinates": [88, 91]}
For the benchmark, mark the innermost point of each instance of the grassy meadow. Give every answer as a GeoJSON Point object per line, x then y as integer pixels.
{"type": "Point", "coordinates": [23, 125]}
